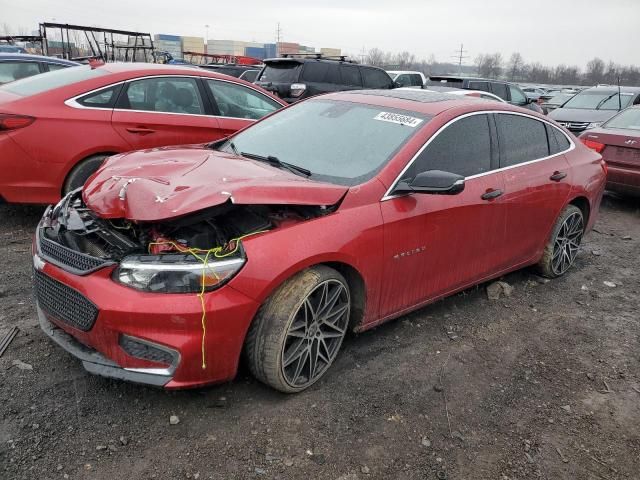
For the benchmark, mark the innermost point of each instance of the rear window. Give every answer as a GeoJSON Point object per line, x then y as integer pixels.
{"type": "Point", "coordinates": [629, 119]}
{"type": "Point", "coordinates": [281, 72]}
{"type": "Point", "coordinates": [42, 83]}
{"type": "Point", "coordinates": [16, 70]}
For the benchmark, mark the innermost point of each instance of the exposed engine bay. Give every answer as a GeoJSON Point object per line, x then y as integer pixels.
{"type": "Point", "coordinates": [76, 227]}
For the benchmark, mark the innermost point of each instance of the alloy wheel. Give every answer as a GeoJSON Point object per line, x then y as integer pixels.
{"type": "Point", "coordinates": [315, 333]}
{"type": "Point", "coordinates": [567, 243]}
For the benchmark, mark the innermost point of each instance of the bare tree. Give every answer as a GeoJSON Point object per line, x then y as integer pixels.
{"type": "Point", "coordinates": [375, 57]}
{"type": "Point", "coordinates": [489, 65]}
{"type": "Point", "coordinates": [515, 67]}
{"type": "Point", "coordinates": [595, 71]}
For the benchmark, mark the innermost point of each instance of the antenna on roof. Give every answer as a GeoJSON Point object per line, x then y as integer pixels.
{"type": "Point", "coordinates": [619, 95]}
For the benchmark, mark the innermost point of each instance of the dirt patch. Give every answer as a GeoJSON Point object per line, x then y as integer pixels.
{"type": "Point", "coordinates": [543, 383]}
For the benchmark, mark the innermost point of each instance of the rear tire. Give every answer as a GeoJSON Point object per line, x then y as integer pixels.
{"type": "Point", "coordinates": [81, 172]}
{"type": "Point", "coordinates": [297, 333]}
{"type": "Point", "coordinates": [562, 248]}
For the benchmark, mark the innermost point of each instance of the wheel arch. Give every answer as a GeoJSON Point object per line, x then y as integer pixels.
{"type": "Point", "coordinates": [583, 204]}
{"type": "Point", "coordinates": [72, 166]}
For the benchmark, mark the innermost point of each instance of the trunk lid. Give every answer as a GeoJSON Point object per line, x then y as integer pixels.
{"type": "Point", "coordinates": [164, 183]}
{"type": "Point", "coordinates": [622, 146]}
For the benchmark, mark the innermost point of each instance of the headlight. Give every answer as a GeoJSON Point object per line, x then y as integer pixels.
{"type": "Point", "coordinates": [179, 273]}
{"type": "Point", "coordinates": [594, 125]}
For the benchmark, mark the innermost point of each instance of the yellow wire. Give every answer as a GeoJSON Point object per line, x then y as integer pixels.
{"type": "Point", "coordinates": [205, 265]}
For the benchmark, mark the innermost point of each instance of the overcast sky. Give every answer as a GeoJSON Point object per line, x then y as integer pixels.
{"type": "Point", "coordinates": [548, 31]}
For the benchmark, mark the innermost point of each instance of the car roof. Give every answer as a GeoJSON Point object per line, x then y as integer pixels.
{"type": "Point", "coordinates": [612, 89]}
{"type": "Point", "coordinates": [461, 78]}
{"type": "Point", "coordinates": [418, 100]}
{"type": "Point", "coordinates": [266, 61]}
{"type": "Point", "coordinates": [35, 58]}
{"type": "Point", "coordinates": [401, 72]}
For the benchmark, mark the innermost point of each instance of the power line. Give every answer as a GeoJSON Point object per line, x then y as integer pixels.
{"type": "Point", "coordinates": [460, 55]}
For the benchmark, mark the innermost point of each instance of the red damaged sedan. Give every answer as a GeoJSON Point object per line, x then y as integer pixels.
{"type": "Point", "coordinates": [337, 213]}
{"type": "Point", "coordinates": [56, 129]}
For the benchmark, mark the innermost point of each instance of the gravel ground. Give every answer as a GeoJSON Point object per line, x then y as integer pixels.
{"type": "Point", "coordinates": [544, 383]}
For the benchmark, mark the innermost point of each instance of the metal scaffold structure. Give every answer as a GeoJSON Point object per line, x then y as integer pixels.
{"type": "Point", "coordinates": [77, 42]}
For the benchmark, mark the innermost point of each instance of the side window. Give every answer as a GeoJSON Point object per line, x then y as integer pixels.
{"type": "Point", "coordinates": [522, 139]}
{"type": "Point", "coordinates": [10, 71]}
{"type": "Point", "coordinates": [238, 101]}
{"type": "Point", "coordinates": [561, 139]}
{"type": "Point", "coordinates": [500, 89]}
{"type": "Point", "coordinates": [350, 75]}
{"type": "Point", "coordinates": [517, 97]}
{"type": "Point", "coordinates": [104, 98]}
{"type": "Point", "coordinates": [464, 147]}
{"type": "Point", "coordinates": [416, 80]}
{"type": "Point", "coordinates": [374, 78]}
{"type": "Point", "coordinates": [320, 72]}
{"type": "Point", "coordinates": [163, 94]}
{"type": "Point", "coordinates": [484, 86]}
{"type": "Point", "coordinates": [403, 80]}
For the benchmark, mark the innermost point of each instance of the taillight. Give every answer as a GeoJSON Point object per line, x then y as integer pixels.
{"type": "Point", "coordinates": [13, 122]}
{"type": "Point", "coordinates": [297, 89]}
{"type": "Point", "coordinates": [597, 146]}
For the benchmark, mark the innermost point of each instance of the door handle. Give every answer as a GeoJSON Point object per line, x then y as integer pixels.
{"type": "Point", "coordinates": [557, 176]}
{"type": "Point", "coordinates": [491, 194]}
{"type": "Point", "coordinates": [140, 130]}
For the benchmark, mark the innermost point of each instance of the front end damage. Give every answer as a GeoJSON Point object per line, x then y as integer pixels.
{"type": "Point", "coordinates": [148, 301]}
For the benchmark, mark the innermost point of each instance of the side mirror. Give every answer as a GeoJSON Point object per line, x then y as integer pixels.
{"type": "Point", "coordinates": [434, 182]}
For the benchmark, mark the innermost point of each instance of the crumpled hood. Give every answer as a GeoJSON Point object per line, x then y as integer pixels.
{"type": "Point", "coordinates": [169, 182]}
{"type": "Point", "coordinates": [581, 115]}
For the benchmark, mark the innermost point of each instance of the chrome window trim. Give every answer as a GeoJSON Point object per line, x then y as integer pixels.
{"type": "Point", "coordinates": [73, 101]}
{"type": "Point", "coordinates": [388, 195]}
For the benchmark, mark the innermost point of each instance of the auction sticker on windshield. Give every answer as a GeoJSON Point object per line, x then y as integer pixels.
{"type": "Point", "coordinates": [398, 118]}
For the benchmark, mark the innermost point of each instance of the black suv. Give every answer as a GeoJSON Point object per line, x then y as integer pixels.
{"type": "Point", "coordinates": [509, 92]}
{"type": "Point", "coordinates": [295, 78]}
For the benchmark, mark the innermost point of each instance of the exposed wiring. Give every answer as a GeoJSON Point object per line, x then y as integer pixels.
{"type": "Point", "coordinates": [203, 256]}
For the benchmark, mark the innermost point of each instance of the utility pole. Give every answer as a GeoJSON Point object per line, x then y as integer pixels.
{"type": "Point", "coordinates": [278, 34]}
{"type": "Point", "coordinates": [460, 55]}
{"type": "Point", "coordinates": [206, 39]}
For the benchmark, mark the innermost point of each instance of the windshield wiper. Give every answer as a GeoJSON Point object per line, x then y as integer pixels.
{"type": "Point", "coordinates": [233, 147]}
{"type": "Point", "coordinates": [276, 162]}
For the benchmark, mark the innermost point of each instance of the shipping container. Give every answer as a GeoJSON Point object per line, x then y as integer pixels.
{"type": "Point", "coordinates": [168, 38]}
{"type": "Point", "coordinates": [255, 52]}
{"type": "Point", "coordinates": [330, 52]}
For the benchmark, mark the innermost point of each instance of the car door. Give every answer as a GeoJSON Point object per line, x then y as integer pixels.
{"type": "Point", "coordinates": [537, 182]}
{"type": "Point", "coordinates": [163, 110]}
{"type": "Point", "coordinates": [238, 106]}
{"type": "Point", "coordinates": [435, 244]}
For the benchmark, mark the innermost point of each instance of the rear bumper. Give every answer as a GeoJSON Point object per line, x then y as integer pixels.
{"type": "Point", "coordinates": [623, 180]}
{"type": "Point", "coordinates": [23, 180]}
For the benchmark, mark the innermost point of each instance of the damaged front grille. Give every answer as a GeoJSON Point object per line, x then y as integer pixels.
{"type": "Point", "coordinates": [68, 259]}
{"type": "Point", "coordinates": [64, 303]}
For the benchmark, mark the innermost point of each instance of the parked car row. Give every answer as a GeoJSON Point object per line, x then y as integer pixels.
{"type": "Point", "coordinates": [269, 226]}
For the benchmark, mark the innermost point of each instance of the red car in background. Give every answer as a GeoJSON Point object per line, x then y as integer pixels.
{"type": "Point", "coordinates": [56, 129]}
{"type": "Point", "coordinates": [338, 213]}
{"type": "Point", "coordinates": [618, 141]}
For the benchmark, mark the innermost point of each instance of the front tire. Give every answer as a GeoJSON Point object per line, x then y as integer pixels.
{"type": "Point", "coordinates": [299, 330]}
{"type": "Point", "coordinates": [562, 248]}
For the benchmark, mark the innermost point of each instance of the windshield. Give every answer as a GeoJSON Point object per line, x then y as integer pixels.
{"type": "Point", "coordinates": [49, 81]}
{"type": "Point", "coordinates": [560, 99]}
{"type": "Point", "coordinates": [281, 72]}
{"type": "Point", "coordinates": [599, 100]}
{"type": "Point", "coordinates": [629, 119]}
{"type": "Point", "coordinates": [339, 142]}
